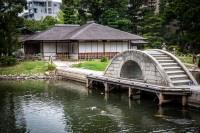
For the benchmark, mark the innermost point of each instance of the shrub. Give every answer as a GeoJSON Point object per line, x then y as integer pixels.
{"type": "Point", "coordinates": [51, 67]}
{"type": "Point", "coordinates": [172, 47]}
{"type": "Point", "coordinates": [104, 59]}
{"type": "Point", "coordinates": [8, 60]}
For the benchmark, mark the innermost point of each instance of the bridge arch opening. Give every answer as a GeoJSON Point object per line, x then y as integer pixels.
{"type": "Point", "coordinates": [131, 70]}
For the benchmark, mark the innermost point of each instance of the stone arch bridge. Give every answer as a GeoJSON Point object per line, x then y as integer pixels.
{"type": "Point", "coordinates": [152, 70]}
{"type": "Point", "coordinates": [154, 66]}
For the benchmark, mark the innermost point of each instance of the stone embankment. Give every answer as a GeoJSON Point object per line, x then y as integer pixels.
{"type": "Point", "coordinates": [29, 77]}
{"type": "Point", "coordinates": [76, 74]}
{"type": "Point", "coordinates": [63, 68]}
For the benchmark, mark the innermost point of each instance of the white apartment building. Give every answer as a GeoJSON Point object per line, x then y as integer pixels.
{"type": "Point", "coordinates": [42, 8]}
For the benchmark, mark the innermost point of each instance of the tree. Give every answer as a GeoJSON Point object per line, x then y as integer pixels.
{"type": "Point", "coordinates": [153, 29]}
{"type": "Point", "coordinates": [69, 15]}
{"type": "Point", "coordinates": [94, 9]}
{"type": "Point", "coordinates": [9, 11]}
{"type": "Point", "coordinates": [135, 13]}
{"type": "Point", "coordinates": [60, 15]}
{"type": "Point", "coordinates": [40, 25]}
{"type": "Point", "coordinates": [184, 13]}
{"type": "Point", "coordinates": [109, 17]}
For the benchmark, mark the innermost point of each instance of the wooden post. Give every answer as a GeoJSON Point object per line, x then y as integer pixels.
{"type": "Point", "coordinates": [106, 87]}
{"type": "Point", "coordinates": [129, 92]}
{"type": "Point", "coordinates": [129, 103]}
{"type": "Point", "coordinates": [160, 111]}
{"type": "Point", "coordinates": [161, 98]}
{"type": "Point", "coordinates": [87, 83]}
{"type": "Point", "coordinates": [106, 96]}
{"type": "Point", "coordinates": [184, 100]}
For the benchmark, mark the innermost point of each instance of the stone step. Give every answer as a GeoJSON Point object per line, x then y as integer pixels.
{"type": "Point", "coordinates": [169, 72]}
{"type": "Point", "coordinates": [162, 58]}
{"type": "Point", "coordinates": [159, 55]}
{"type": "Point", "coordinates": [178, 76]}
{"type": "Point", "coordinates": [166, 61]}
{"type": "Point", "coordinates": [169, 64]}
{"type": "Point", "coordinates": [154, 52]}
{"type": "Point", "coordinates": [181, 82]}
{"type": "Point", "coordinates": [174, 68]}
{"type": "Point", "coordinates": [179, 72]}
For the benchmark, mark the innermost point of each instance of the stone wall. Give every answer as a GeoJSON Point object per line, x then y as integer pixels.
{"type": "Point", "coordinates": [138, 65]}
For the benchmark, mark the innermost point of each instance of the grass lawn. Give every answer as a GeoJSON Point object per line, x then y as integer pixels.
{"type": "Point", "coordinates": [186, 59]}
{"type": "Point", "coordinates": [36, 67]}
{"type": "Point", "coordinates": [92, 65]}
{"type": "Point", "coordinates": [101, 66]}
{"type": "Point", "coordinates": [28, 68]}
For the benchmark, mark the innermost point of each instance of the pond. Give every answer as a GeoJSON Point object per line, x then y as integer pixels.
{"type": "Point", "coordinates": [65, 106]}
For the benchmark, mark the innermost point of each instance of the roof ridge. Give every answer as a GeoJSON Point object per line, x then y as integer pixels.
{"type": "Point", "coordinates": [36, 35]}
{"type": "Point", "coordinates": [125, 32]}
{"type": "Point", "coordinates": [86, 26]}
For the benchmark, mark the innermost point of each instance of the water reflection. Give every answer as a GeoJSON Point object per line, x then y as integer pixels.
{"type": "Point", "coordinates": [66, 106]}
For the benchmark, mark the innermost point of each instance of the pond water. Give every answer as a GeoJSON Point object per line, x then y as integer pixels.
{"type": "Point", "coordinates": [66, 106]}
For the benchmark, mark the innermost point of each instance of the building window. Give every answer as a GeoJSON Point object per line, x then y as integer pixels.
{"type": "Point", "coordinates": [35, 10]}
{"type": "Point", "coordinates": [55, 4]}
{"type": "Point", "coordinates": [49, 11]}
{"type": "Point", "coordinates": [49, 4]}
{"type": "Point", "coordinates": [35, 3]}
{"type": "Point", "coordinates": [41, 4]}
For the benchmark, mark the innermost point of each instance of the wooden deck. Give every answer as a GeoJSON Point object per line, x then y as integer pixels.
{"type": "Point", "coordinates": [135, 85]}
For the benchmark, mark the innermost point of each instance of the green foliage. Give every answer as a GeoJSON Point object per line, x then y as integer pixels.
{"type": "Point", "coordinates": [92, 65]}
{"type": "Point", "coordinates": [124, 25]}
{"type": "Point", "coordinates": [109, 16]}
{"type": "Point", "coordinates": [9, 22]}
{"type": "Point", "coordinates": [104, 59]}
{"type": "Point", "coordinates": [135, 14]}
{"type": "Point", "coordinates": [8, 60]}
{"type": "Point", "coordinates": [154, 30]}
{"type": "Point", "coordinates": [71, 59]}
{"type": "Point", "coordinates": [69, 16]}
{"type": "Point", "coordinates": [184, 15]}
{"type": "Point", "coordinates": [60, 16]}
{"type": "Point", "coordinates": [51, 67]}
{"type": "Point", "coordinates": [172, 47]}
{"type": "Point", "coordinates": [40, 25]}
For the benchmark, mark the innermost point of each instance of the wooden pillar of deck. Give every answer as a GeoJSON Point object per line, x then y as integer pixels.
{"type": "Point", "coordinates": [161, 98]}
{"type": "Point", "coordinates": [106, 87]}
{"type": "Point", "coordinates": [184, 100]}
{"type": "Point", "coordinates": [133, 92]}
{"type": "Point", "coordinates": [129, 92]}
{"type": "Point", "coordinates": [88, 83]}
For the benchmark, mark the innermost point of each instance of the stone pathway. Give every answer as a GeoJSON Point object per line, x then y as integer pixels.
{"type": "Point", "coordinates": [66, 66]}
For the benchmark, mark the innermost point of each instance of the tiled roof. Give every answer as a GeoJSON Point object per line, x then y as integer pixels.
{"type": "Point", "coordinates": [91, 31]}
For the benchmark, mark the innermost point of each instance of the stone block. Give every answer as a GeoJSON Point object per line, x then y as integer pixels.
{"type": "Point", "coordinates": [116, 65]}
{"type": "Point", "coordinates": [147, 72]}
{"type": "Point", "coordinates": [116, 69]}
{"type": "Point", "coordinates": [158, 74]}
{"type": "Point", "coordinates": [120, 58]}
{"type": "Point", "coordinates": [111, 68]}
{"type": "Point", "coordinates": [114, 72]}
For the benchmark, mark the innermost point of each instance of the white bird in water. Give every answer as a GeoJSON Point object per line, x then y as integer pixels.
{"type": "Point", "coordinates": [92, 108]}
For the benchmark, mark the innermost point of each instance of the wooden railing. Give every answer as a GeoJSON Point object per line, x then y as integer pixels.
{"type": "Point", "coordinates": [109, 55]}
